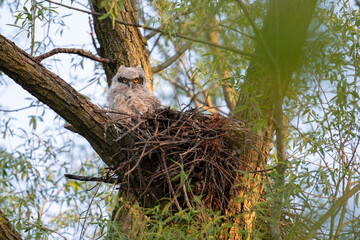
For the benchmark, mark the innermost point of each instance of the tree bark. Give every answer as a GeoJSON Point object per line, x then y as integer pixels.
{"type": "Point", "coordinates": [124, 45]}
{"type": "Point", "coordinates": [7, 230]}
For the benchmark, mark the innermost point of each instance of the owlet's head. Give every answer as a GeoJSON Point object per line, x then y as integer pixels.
{"type": "Point", "coordinates": [130, 76]}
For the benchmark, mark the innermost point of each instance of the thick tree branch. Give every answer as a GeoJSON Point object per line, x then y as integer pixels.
{"type": "Point", "coordinates": [77, 51]}
{"type": "Point", "coordinates": [87, 118]}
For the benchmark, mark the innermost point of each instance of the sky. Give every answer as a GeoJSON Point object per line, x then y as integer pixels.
{"type": "Point", "coordinates": [12, 96]}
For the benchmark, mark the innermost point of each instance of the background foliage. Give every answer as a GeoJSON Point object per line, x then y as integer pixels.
{"type": "Point", "coordinates": [322, 110]}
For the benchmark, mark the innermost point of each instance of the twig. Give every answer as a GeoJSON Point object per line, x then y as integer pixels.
{"type": "Point", "coordinates": [153, 33]}
{"type": "Point", "coordinates": [332, 210]}
{"type": "Point", "coordinates": [153, 47]}
{"type": "Point", "coordinates": [93, 36]}
{"type": "Point", "coordinates": [207, 104]}
{"type": "Point", "coordinates": [172, 59]}
{"type": "Point", "coordinates": [187, 45]}
{"type": "Point", "coordinates": [169, 181]}
{"type": "Point", "coordinates": [77, 51]}
{"type": "Point", "coordinates": [138, 161]}
{"type": "Point", "coordinates": [33, 12]}
{"type": "Point", "coordinates": [20, 109]}
{"type": "Point", "coordinates": [187, 183]}
{"type": "Point", "coordinates": [82, 233]}
{"type": "Point", "coordinates": [128, 131]}
{"type": "Point", "coordinates": [91, 179]}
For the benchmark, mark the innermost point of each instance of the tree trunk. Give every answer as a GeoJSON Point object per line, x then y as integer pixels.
{"type": "Point", "coordinates": [280, 48]}
{"type": "Point", "coordinates": [7, 230]}
{"type": "Point", "coordinates": [123, 44]}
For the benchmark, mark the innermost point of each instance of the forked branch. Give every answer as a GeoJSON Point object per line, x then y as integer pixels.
{"type": "Point", "coordinates": [77, 51]}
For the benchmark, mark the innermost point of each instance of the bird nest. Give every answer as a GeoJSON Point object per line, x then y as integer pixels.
{"type": "Point", "coordinates": [181, 156]}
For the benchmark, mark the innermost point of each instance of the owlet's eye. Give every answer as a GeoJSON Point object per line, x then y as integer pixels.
{"type": "Point", "coordinates": [122, 80]}
{"type": "Point", "coordinates": [138, 80]}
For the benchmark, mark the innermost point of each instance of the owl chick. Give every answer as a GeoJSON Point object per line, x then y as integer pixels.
{"type": "Point", "coordinates": [129, 94]}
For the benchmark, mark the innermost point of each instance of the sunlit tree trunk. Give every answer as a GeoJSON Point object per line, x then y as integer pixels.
{"type": "Point", "coordinates": [279, 53]}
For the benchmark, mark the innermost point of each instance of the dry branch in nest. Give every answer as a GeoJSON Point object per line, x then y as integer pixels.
{"type": "Point", "coordinates": [178, 155]}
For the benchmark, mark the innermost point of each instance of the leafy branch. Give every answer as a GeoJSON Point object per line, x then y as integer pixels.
{"type": "Point", "coordinates": [160, 30]}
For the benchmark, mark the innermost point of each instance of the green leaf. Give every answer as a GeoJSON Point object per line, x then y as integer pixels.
{"type": "Point", "coordinates": [33, 122]}
{"type": "Point", "coordinates": [104, 16]}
